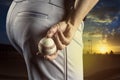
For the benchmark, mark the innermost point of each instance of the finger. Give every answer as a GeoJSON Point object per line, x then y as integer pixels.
{"type": "Point", "coordinates": [52, 57]}
{"type": "Point", "coordinates": [59, 44]}
{"type": "Point", "coordinates": [63, 39]}
{"type": "Point", "coordinates": [52, 31]}
{"type": "Point", "coordinates": [41, 55]}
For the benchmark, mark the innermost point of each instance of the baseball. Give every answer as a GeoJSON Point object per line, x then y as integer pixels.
{"type": "Point", "coordinates": [46, 46]}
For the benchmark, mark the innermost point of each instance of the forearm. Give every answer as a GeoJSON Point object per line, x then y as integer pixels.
{"type": "Point", "coordinates": [81, 9]}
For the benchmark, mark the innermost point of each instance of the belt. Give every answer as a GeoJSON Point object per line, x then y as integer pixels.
{"type": "Point", "coordinates": [59, 3]}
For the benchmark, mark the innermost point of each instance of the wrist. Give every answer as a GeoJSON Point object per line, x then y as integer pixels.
{"type": "Point", "coordinates": [73, 22]}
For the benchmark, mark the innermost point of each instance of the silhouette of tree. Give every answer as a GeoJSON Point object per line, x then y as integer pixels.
{"type": "Point", "coordinates": [111, 52]}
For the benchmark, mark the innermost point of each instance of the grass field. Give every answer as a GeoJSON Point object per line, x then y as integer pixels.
{"type": "Point", "coordinates": [96, 66]}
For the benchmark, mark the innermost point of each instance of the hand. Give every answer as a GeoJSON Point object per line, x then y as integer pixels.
{"type": "Point", "coordinates": [62, 33]}
{"type": "Point", "coordinates": [51, 57]}
{"type": "Point", "coordinates": [47, 57]}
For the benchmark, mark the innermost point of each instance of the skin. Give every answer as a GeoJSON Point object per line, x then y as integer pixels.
{"type": "Point", "coordinates": [63, 32]}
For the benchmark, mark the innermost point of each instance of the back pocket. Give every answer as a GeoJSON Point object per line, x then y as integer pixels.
{"type": "Point", "coordinates": [33, 14]}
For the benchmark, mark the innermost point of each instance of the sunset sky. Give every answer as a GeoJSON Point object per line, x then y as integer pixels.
{"type": "Point", "coordinates": [102, 26]}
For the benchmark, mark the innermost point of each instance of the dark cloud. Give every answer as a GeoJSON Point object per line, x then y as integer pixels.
{"type": "Point", "coordinates": [4, 5]}
{"type": "Point", "coordinates": [106, 18]}
{"type": "Point", "coordinates": [114, 39]}
{"type": "Point", "coordinates": [5, 2]}
{"type": "Point", "coordinates": [113, 33]}
{"type": "Point", "coordinates": [105, 10]}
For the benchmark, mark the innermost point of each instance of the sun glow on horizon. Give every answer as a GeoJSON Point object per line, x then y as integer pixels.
{"type": "Point", "coordinates": [103, 48]}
